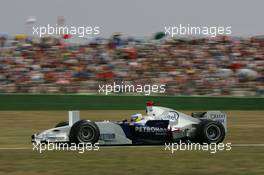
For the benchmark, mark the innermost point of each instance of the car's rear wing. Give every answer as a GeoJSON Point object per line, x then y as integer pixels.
{"type": "Point", "coordinates": [217, 116]}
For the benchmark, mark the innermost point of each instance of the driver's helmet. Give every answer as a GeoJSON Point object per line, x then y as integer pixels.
{"type": "Point", "coordinates": [136, 117]}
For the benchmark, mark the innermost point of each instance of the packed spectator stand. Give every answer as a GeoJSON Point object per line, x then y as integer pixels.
{"type": "Point", "coordinates": [228, 66]}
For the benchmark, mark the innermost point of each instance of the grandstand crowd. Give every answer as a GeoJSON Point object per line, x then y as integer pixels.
{"type": "Point", "coordinates": [202, 66]}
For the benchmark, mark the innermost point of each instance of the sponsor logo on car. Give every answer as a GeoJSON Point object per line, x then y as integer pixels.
{"type": "Point", "coordinates": [172, 116]}
{"type": "Point", "coordinates": [150, 129]}
{"type": "Point", "coordinates": [216, 116]}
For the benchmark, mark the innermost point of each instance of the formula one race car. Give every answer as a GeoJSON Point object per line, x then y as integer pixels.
{"type": "Point", "coordinates": [160, 125]}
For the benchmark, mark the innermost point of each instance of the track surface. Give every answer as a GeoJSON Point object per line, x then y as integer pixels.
{"type": "Point", "coordinates": [17, 157]}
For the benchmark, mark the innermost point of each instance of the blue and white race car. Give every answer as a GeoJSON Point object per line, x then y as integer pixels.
{"type": "Point", "coordinates": [160, 125]}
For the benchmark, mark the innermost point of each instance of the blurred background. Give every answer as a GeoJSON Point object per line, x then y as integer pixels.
{"type": "Point", "coordinates": [139, 54]}
{"type": "Point", "coordinates": [188, 66]}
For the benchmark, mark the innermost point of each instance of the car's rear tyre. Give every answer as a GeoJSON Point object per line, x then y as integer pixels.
{"type": "Point", "coordinates": [84, 132]}
{"type": "Point", "coordinates": [61, 124]}
{"type": "Point", "coordinates": [209, 131]}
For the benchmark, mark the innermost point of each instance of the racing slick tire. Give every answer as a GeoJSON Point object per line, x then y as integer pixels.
{"type": "Point", "coordinates": [84, 132]}
{"type": "Point", "coordinates": [209, 131]}
{"type": "Point", "coordinates": [61, 124]}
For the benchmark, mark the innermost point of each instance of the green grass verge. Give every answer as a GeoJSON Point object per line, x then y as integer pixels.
{"type": "Point", "coordinates": [16, 127]}
{"type": "Point", "coordinates": [129, 161]}
{"type": "Point", "coordinates": [89, 102]}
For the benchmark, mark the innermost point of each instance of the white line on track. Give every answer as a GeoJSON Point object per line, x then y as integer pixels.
{"type": "Point", "coordinates": [16, 148]}
{"type": "Point", "coordinates": [247, 145]}
{"type": "Point", "coordinates": [143, 146]}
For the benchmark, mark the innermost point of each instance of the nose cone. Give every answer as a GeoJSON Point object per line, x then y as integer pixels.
{"type": "Point", "coordinates": [33, 138]}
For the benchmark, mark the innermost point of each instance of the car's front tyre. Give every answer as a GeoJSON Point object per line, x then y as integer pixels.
{"type": "Point", "coordinates": [84, 132]}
